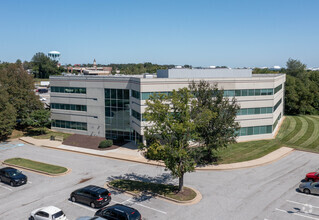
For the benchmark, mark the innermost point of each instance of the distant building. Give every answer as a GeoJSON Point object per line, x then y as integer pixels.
{"type": "Point", "coordinates": [104, 71]}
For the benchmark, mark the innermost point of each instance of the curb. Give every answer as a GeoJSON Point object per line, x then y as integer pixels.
{"type": "Point", "coordinates": [213, 168]}
{"type": "Point", "coordinates": [197, 198]}
{"type": "Point", "coordinates": [38, 171]}
{"type": "Point", "coordinates": [247, 166]}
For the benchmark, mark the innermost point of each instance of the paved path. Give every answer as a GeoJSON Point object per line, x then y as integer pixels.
{"type": "Point", "coordinates": [131, 153]}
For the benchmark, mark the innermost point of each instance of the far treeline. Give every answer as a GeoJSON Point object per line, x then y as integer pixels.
{"type": "Point", "coordinates": [301, 88]}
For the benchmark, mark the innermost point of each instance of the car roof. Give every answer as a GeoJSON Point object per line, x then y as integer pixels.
{"type": "Point", "coordinates": [50, 209]}
{"type": "Point", "coordinates": [9, 169]}
{"type": "Point", "coordinates": [95, 188]}
{"type": "Point", "coordinates": [124, 208]}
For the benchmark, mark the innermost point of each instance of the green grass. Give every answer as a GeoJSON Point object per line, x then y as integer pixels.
{"type": "Point", "coordinates": [161, 189]}
{"type": "Point", "coordinates": [36, 133]}
{"type": "Point", "coordinates": [48, 168]}
{"type": "Point", "coordinates": [299, 132]}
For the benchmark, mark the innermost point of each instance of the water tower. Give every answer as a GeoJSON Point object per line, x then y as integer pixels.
{"type": "Point", "coordinates": [54, 55]}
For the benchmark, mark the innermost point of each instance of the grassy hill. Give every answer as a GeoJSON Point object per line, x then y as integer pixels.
{"type": "Point", "coordinates": [299, 132]}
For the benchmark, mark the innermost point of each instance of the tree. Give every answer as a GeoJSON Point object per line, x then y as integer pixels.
{"type": "Point", "coordinates": [214, 116]}
{"type": "Point", "coordinates": [295, 68]}
{"type": "Point", "coordinates": [173, 128]}
{"type": "Point", "coordinates": [43, 66]}
{"type": "Point", "coordinates": [7, 114]}
{"type": "Point", "coordinates": [19, 87]}
{"type": "Point", "coordinates": [39, 118]}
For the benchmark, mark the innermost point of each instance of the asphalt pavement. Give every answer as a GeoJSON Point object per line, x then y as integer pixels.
{"type": "Point", "coordinates": [266, 192]}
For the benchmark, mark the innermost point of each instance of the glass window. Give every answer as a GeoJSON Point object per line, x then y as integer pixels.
{"type": "Point", "coordinates": [243, 131]}
{"type": "Point", "coordinates": [264, 92]}
{"type": "Point", "coordinates": [251, 92]}
{"type": "Point", "coordinates": [256, 130]}
{"type": "Point", "coordinates": [270, 91]}
{"type": "Point", "coordinates": [238, 92]}
{"type": "Point", "coordinates": [67, 124]}
{"type": "Point", "coordinates": [126, 94]}
{"type": "Point", "coordinates": [257, 92]}
{"type": "Point", "coordinates": [251, 111]}
{"type": "Point", "coordinates": [113, 93]}
{"type": "Point", "coordinates": [107, 93]}
{"type": "Point", "coordinates": [263, 111]}
{"type": "Point", "coordinates": [250, 130]}
{"type": "Point", "coordinates": [244, 92]}
{"type": "Point", "coordinates": [257, 110]}
{"type": "Point", "coordinates": [269, 110]}
{"type": "Point", "coordinates": [119, 94]}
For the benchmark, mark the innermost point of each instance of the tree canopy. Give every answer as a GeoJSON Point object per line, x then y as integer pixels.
{"type": "Point", "coordinates": [188, 126]}
{"type": "Point", "coordinates": [17, 97]}
{"type": "Point", "coordinates": [43, 66]}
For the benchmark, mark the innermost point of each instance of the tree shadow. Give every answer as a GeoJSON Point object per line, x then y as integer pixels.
{"type": "Point", "coordinates": [145, 195]}
{"type": "Point", "coordinates": [164, 178]}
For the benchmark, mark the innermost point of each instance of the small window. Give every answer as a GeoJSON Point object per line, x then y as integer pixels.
{"type": "Point", "coordinates": [244, 92]}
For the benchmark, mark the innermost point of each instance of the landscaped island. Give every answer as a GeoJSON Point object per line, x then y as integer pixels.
{"type": "Point", "coordinates": [165, 190]}
{"type": "Point", "coordinates": [35, 165]}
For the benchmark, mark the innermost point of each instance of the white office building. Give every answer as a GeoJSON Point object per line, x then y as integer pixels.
{"type": "Point", "coordinates": [113, 106]}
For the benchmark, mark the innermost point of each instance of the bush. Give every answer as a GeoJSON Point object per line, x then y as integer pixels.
{"type": "Point", "coordinates": [105, 144]}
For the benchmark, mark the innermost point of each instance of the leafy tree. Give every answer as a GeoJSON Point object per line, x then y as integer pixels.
{"type": "Point", "coordinates": [39, 118]}
{"type": "Point", "coordinates": [7, 114]}
{"type": "Point", "coordinates": [295, 68]}
{"type": "Point", "coordinates": [214, 116]}
{"type": "Point", "coordinates": [19, 87]}
{"type": "Point", "coordinates": [173, 128]}
{"type": "Point", "coordinates": [43, 66]}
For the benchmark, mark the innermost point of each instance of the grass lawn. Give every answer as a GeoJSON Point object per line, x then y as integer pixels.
{"type": "Point", "coordinates": [161, 189]}
{"type": "Point", "coordinates": [52, 169]}
{"type": "Point", "coordinates": [299, 132]}
{"type": "Point", "coordinates": [36, 133]}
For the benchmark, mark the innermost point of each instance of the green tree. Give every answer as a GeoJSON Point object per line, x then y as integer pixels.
{"type": "Point", "coordinates": [173, 128]}
{"type": "Point", "coordinates": [43, 66]}
{"type": "Point", "coordinates": [7, 114]}
{"type": "Point", "coordinates": [295, 68]}
{"type": "Point", "coordinates": [39, 118]}
{"type": "Point", "coordinates": [214, 116]}
{"type": "Point", "coordinates": [19, 87]}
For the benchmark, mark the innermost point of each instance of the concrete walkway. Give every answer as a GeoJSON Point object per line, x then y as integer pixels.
{"type": "Point", "coordinates": [130, 153]}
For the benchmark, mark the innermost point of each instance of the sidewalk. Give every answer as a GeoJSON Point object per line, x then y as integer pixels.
{"type": "Point", "coordinates": [130, 153]}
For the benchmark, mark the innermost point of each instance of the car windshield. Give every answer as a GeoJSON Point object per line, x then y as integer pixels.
{"type": "Point", "coordinates": [57, 215]}
{"type": "Point", "coordinates": [14, 173]}
{"type": "Point", "coordinates": [317, 174]}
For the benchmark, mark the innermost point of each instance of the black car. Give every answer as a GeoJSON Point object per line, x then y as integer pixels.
{"type": "Point", "coordinates": [12, 176]}
{"type": "Point", "coordinates": [91, 195]}
{"type": "Point", "coordinates": [119, 212]}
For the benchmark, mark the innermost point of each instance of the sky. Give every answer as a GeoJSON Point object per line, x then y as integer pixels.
{"type": "Point", "coordinates": [233, 33]}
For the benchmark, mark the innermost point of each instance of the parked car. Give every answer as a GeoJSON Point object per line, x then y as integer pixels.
{"type": "Point", "coordinates": [12, 176]}
{"type": "Point", "coordinates": [119, 211]}
{"type": "Point", "coordinates": [313, 176]}
{"type": "Point", "coordinates": [309, 187]}
{"type": "Point", "coordinates": [47, 213]}
{"type": "Point", "coordinates": [91, 218]}
{"type": "Point", "coordinates": [91, 195]}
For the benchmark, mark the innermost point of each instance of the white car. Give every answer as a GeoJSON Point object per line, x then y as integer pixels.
{"type": "Point", "coordinates": [43, 99]}
{"type": "Point", "coordinates": [50, 212]}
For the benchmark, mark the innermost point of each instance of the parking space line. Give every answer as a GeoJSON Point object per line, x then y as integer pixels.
{"type": "Point", "coordinates": [309, 195]}
{"type": "Point", "coordinates": [6, 187]}
{"type": "Point", "coordinates": [297, 214]}
{"type": "Point", "coordinates": [151, 208]}
{"type": "Point", "coordinates": [83, 206]}
{"type": "Point", "coordinates": [302, 204]}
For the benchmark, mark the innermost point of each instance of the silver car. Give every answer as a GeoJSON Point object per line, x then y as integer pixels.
{"type": "Point", "coordinates": [309, 187]}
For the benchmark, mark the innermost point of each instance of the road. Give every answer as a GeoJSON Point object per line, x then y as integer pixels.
{"type": "Point", "coordinates": [266, 192]}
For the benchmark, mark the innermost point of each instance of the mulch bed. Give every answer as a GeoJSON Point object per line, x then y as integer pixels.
{"type": "Point", "coordinates": [89, 142]}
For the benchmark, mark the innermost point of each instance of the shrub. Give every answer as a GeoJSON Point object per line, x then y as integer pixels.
{"type": "Point", "coordinates": [105, 144]}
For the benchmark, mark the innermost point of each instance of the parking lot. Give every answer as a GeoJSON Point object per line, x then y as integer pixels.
{"type": "Point", "coordinates": [266, 192]}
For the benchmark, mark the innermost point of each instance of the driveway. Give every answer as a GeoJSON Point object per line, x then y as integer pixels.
{"type": "Point", "coordinates": [266, 192]}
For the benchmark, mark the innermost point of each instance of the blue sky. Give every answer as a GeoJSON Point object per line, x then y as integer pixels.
{"type": "Point", "coordinates": [235, 33]}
